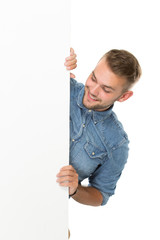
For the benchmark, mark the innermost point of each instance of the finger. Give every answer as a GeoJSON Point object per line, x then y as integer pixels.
{"type": "Point", "coordinates": [71, 57]}
{"type": "Point", "coordinates": [71, 67]}
{"type": "Point", "coordinates": [68, 167]}
{"type": "Point", "coordinates": [70, 173]}
{"type": "Point", "coordinates": [65, 179]}
{"type": "Point", "coordinates": [66, 173]}
{"type": "Point", "coordinates": [71, 51]}
{"type": "Point", "coordinates": [71, 62]}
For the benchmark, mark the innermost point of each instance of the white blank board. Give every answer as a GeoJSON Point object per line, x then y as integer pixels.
{"type": "Point", "coordinates": [34, 116]}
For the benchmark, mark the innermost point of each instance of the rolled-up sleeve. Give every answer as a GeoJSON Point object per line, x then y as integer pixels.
{"type": "Point", "coordinates": [105, 198]}
{"type": "Point", "coordinates": [106, 176]}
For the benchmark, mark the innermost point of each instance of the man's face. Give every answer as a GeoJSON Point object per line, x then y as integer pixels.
{"type": "Point", "coordinates": [103, 88]}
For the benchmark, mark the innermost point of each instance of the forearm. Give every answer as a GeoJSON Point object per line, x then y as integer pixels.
{"type": "Point", "coordinates": [88, 196]}
{"type": "Point", "coordinates": [68, 177]}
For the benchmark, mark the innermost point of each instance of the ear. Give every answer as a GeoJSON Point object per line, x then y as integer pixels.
{"type": "Point", "coordinates": [125, 96]}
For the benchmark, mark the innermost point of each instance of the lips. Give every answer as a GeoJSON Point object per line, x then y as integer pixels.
{"type": "Point", "coordinates": [90, 97]}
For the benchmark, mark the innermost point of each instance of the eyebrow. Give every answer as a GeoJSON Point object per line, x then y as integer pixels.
{"type": "Point", "coordinates": [103, 85]}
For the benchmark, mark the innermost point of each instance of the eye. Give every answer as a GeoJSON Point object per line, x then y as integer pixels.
{"type": "Point", "coordinates": [93, 79]}
{"type": "Point", "coordinates": [106, 91]}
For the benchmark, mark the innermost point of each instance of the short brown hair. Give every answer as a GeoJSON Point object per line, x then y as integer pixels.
{"type": "Point", "coordinates": [124, 64]}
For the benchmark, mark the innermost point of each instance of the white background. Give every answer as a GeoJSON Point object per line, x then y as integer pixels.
{"type": "Point", "coordinates": [34, 113]}
{"type": "Point", "coordinates": [98, 26]}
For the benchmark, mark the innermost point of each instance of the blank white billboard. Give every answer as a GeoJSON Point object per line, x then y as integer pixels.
{"type": "Point", "coordinates": [34, 119]}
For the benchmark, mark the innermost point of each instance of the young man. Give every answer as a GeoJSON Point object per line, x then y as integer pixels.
{"type": "Point", "coordinates": [98, 142]}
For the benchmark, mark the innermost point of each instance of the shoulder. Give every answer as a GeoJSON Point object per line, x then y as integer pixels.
{"type": "Point", "coordinates": [75, 87]}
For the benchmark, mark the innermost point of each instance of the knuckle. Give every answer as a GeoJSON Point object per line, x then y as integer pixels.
{"type": "Point", "coordinates": [74, 56]}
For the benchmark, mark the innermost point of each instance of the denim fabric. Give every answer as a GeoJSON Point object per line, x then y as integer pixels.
{"type": "Point", "coordinates": [98, 144]}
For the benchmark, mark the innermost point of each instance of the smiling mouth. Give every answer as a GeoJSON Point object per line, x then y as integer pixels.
{"type": "Point", "coordinates": [91, 97]}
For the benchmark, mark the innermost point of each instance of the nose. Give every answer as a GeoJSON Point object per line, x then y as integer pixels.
{"type": "Point", "coordinates": [94, 90]}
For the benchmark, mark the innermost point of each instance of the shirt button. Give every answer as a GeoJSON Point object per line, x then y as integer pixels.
{"type": "Point", "coordinates": [73, 140]}
{"type": "Point", "coordinates": [93, 153]}
{"type": "Point", "coordinates": [95, 122]}
{"type": "Point", "coordinates": [90, 111]}
{"type": "Point", "coordinates": [83, 125]}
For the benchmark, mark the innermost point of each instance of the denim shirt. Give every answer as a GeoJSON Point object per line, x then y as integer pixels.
{"type": "Point", "coordinates": [98, 144]}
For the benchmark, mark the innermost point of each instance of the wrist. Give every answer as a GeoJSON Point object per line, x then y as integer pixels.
{"type": "Point", "coordinates": [70, 195]}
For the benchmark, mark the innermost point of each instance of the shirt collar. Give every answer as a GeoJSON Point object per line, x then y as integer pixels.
{"type": "Point", "coordinates": [97, 116]}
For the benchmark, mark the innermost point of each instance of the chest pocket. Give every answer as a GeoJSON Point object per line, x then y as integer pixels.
{"type": "Point", "coordinates": [94, 152]}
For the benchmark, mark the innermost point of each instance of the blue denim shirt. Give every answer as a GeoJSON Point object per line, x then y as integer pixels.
{"type": "Point", "coordinates": [98, 144]}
